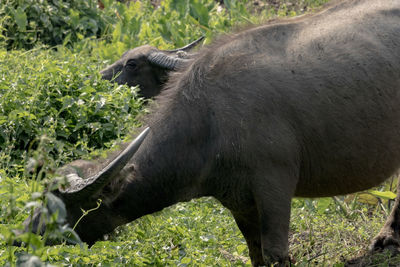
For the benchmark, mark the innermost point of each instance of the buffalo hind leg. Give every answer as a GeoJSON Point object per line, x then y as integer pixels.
{"type": "Point", "coordinates": [248, 225]}
{"type": "Point", "coordinates": [389, 235]}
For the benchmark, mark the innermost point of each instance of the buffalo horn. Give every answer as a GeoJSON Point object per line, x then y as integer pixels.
{"type": "Point", "coordinates": [187, 47]}
{"type": "Point", "coordinates": [166, 61]}
{"type": "Point", "coordinates": [83, 188]}
{"type": "Point", "coordinates": [172, 59]}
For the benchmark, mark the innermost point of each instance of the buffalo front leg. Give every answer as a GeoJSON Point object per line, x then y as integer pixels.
{"type": "Point", "coordinates": [389, 236]}
{"type": "Point", "coordinates": [273, 200]}
{"type": "Point", "coordinates": [248, 225]}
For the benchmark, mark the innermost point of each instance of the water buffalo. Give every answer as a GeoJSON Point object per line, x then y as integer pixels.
{"type": "Point", "coordinates": [147, 67]}
{"type": "Point", "coordinates": [305, 107]}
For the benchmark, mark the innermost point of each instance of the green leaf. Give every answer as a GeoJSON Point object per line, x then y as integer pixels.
{"type": "Point", "coordinates": [116, 35]}
{"type": "Point", "coordinates": [74, 18]}
{"type": "Point", "coordinates": [367, 198]}
{"type": "Point", "coordinates": [383, 194]}
{"type": "Point", "coordinates": [20, 19]}
{"type": "Point", "coordinates": [186, 260]}
{"type": "Point", "coordinates": [80, 36]}
{"type": "Point", "coordinates": [241, 249]}
{"type": "Point", "coordinates": [323, 204]}
{"type": "Point", "coordinates": [200, 12]}
{"type": "Point", "coordinates": [3, 119]}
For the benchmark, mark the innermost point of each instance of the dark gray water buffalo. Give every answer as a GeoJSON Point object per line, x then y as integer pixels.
{"type": "Point", "coordinates": [148, 67]}
{"type": "Point", "coordinates": [306, 107]}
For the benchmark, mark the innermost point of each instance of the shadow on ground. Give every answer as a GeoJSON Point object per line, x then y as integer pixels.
{"type": "Point", "coordinates": [385, 258]}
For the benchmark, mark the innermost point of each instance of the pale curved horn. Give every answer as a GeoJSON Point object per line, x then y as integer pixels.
{"type": "Point", "coordinates": [187, 47]}
{"type": "Point", "coordinates": [173, 59]}
{"type": "Point", "coordinates": [166, 61]}
{"type": "Point", "coordinates": [83, 188]}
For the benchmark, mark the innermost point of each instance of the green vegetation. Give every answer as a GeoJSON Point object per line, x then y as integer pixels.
{"type": "Point", "coordinates": [54, 108]}
{"type": "Point", "coordinates": [60, 95]}
{"type": "Point", "coordinates": [51, 22]}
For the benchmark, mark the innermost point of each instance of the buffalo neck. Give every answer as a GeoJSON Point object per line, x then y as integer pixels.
{"type": "Point", "coordinates": [171, 163]}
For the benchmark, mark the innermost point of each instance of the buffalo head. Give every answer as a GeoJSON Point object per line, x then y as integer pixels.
{"type": "Point", "coordinates": [148, 67]}
{"type": "Point", "coordinates": [84, 190]}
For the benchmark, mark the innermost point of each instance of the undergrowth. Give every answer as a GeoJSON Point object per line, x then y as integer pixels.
{"type": "Point", "coordinates": [55, 108]}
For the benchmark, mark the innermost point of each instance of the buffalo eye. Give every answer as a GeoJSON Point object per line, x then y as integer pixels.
{"type": "Point", "coordinates": [131, 64]}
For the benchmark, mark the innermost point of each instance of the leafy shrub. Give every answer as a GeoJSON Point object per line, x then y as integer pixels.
{"type": "Point", "coordinates": [60, 95]}
{"type": "Point", "coordinates": [140, 23]}
{"type": "Point", "coordinates": [51, 22]}
{"type": "Point", "coordinates": [24, 23]}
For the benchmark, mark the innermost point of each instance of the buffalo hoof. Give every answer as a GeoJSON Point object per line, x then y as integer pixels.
{"type": "Point", "coordinates": [385, 241]}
